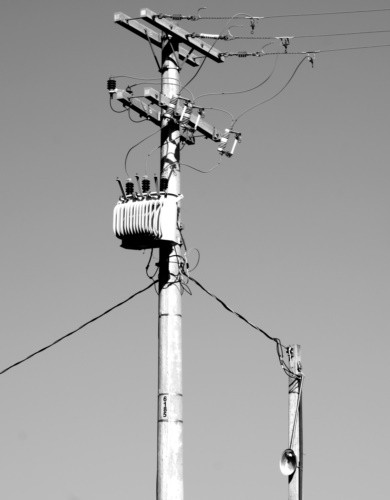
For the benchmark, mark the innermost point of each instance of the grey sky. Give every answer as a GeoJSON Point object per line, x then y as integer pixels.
{"type": "Point", "coordinates": [293, 233]}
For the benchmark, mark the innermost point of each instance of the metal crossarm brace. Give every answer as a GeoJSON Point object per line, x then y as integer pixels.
{"type": "Point", "coordinates": [202, 126]}
{"type": "Point", "coordinates": [141, 107]}
{"type": "Point", "coordinates": [184, 36]}
{"type": "Point", "coordinates": [155, 38]}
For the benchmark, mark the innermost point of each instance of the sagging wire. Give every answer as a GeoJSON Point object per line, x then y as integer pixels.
{"type": "Point", "coordinates": [245, 90]}
{"type": "Point", "coordinates": [275, 95]}
{"type": "Point", "coordinates": [199, 170]}
{"type": "Point", "coordinates": [197, 262]}
{"type": "Point", "coordinates": [220, 109]}
{"type": "Point", "coordinates": [280, 348]}
{"type": "Point", "coordinates": [148, 156]}
{"type": "Point", "coordinates": [148, 265]}
{"type": "Point", "coordinates": [23, 360]}
{"type": "Point", "coordinates": [136, 121]}
{"type": "Point", "coordinates": [116, 110]}
{"type": "Point", "coordinates": [211, 47]}
{"type": "Point", "coordinates": [135, 145]}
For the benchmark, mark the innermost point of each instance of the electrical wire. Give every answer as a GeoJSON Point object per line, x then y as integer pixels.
{"type": "Point", "coordinates": [136, 121]}
{"type": "Point", "coordinates": [211, 47]}
{"type": "Point", "coordinates": [197, 262]}
{"type": "Point", "coordinates": [279, 345]}
{"type": "Point", "coordinates": [368, 11]}
{"type": "Point", "coordinates": [74, 331]}
{"type": "Point", "coordinates": [116, 110]}
{"type": "Point", "coordinates": [148, 156]}
{"type": "Point", "coordinates": [292, 37]}
{"type": "Point", "coordinates": [347, 48]}
{"type": "Point", "coordinates": [319, 51]}
{"type": "Point", "coordinates": [202, 171]}
{"type": "Point", "coordinates": [232, 311]}
{"type": "Point", "coordinates": [135, 145]}
{"type": "Point", "coordinates": [222, 110]}
{"type": "Point", "coordinates": [245, 90]}
{"type": "Point", "coordinates": [135, 77]}
{"type": "Point", "coordinates": [337, 34]}
{"type": "Point", "coordinates": [273, 97]}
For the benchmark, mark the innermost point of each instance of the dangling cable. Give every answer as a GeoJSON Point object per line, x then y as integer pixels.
{"type": "Point", "coordinates": [270, 98]}
{"type": "Point", "coordinates": [135, 145]}
{"type": "Point", "coordinates": [211, 47]}
{"type": "Point", "coordinates": [245, 90]}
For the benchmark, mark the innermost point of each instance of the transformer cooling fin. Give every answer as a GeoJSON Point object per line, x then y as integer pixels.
{"type": "Point", "coordinates": [147, 221]}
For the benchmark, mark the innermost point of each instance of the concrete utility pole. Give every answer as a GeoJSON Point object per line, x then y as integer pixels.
{"type": "Point", "coordinates": [178, 122]}
{"type": "Point", "coordinates": [295, 434]}
{"type": "Point", "coordinates": [170, 385]}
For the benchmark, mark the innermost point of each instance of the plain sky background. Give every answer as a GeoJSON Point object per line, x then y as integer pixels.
{"type": "Point", "coordinates": [293, 233]}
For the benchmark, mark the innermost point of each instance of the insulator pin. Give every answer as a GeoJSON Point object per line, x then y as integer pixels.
{"type": "Point", "coordinates": [129, 187]}
{"type": "Point", "coordinates": [145, 184]}
{"type": "Point", "coordinates": [111, 85]}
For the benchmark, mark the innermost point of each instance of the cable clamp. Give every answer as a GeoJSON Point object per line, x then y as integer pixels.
{"type": "Point", "coordinates": [311, 56]}
{"type": "Point", "coordinates": [285, 41]}
{"type": "Point", "coordinates": [253, 25]}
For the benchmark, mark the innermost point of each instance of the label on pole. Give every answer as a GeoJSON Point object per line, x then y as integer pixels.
{"type": "Point", "coordinates": [170, 407]}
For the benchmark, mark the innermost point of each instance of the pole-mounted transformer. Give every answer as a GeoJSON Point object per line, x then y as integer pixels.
{"type": "Point", "coordinates": [147, 219]}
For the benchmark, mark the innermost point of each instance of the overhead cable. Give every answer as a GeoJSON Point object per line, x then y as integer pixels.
{"type": "Point", "coordinates": [137, 144]}
{"type": "Point", "coordinates": [347, 48]}
{"type": "Point", "coordinates": [231, 310]}
{"type": "Point", "coordinates": [279, 345]}
{"type": "Point", "coordinates": [244, 90]}
{"type": "Point", "coordinates": [301, 52]}
{"type": "Point", "coordinates": [211, 47]}
{"type": "Point", "coordinates": [228, 38]}
{"type": "Point", "coordinates": [76, 330]}
{"type": "Point", "coordinates": [281, 16]}
{"type": "Point", "coordinates": [272, 97]}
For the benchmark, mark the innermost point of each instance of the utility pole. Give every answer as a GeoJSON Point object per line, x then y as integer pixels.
{"type": "Point", "coordinates": [170, 385]}
{"type": "Point", "coordinates": [295, 434]}
{"type": "Point", "coordinates": [178, 120]}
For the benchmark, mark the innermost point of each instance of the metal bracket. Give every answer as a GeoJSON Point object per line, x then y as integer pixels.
{"type": "Point", "coordinates": [153, 52]}
{"type": "Point", "coordinates": [202, 126]}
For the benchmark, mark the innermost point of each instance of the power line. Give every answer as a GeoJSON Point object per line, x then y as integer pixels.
{"type": "Point", "coordinates": [281, 16]}
{"type": "Point", "coordinates": [77, 329]}
{"type": "Point", "coordinates": [349, 48]}
{"type": "Point", "coordinates": [339, 34]}
{"type": "Point", "coordinates": [245, 90]}
{"type": "Point", "coordinates": [243, 54]}
{"type": "Point", "coordinates": [279, 345]}
{"type": "Point", "coordinates": [228, 38]}
{"type": "Point", "coordinates": [327, 13]}
{"type": "Point", "coordinates": [272, 97]}
{"type": "Point", "coordinates": [231, 310]}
